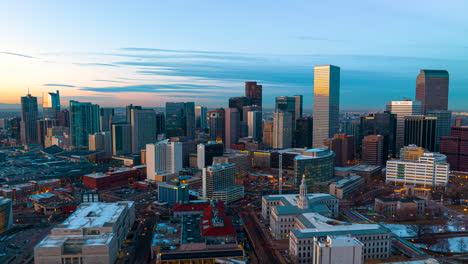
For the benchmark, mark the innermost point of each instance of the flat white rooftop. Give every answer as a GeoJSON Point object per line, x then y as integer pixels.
{"type": "Point", "coordinates": [291, 199]}
{"type": "Point", "coordinates": [59, 241]}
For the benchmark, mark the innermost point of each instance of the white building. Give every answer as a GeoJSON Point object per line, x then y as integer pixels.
{"type": "Point", "coordinates": [282, 130]}
{"type": "Point", "coordinates": [431, 169]}
{"type": "Point", "coordinates": [255, 124]}
{"type": "Point", "coordinates": [164, 157]}
{"type": "Point", "coordinates": [218, 183]}
{"type": "Point", "coordinates": [338, 249]}
{"type": "Point", "coordinates": [402, 109]}
{"type": "Point", "coordinates": [94, 233]}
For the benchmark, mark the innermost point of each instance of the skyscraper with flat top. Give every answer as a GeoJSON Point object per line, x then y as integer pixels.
{"type": "Point", "coordinates": [326, 102]}
{"type": "Point", "coordinates": [28, 122]}
{"type": "Point", "coordinates": [84, 120]}
{"type": "Point", "coordinates": [254, 92]}
{"type": "Point", "coordinates": [402, 109]}
{"type": "Point", "coordinates": [432, 90]}
{"type": "Point", "coordinates": [299, 103]}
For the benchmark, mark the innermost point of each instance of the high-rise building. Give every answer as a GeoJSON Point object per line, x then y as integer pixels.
{"type": "Point", "coordinates": [106, 116]}
{"type": "Point", "coordinates": [431, 169]}
{"type": "Point", "coordinates": [218, 183]}
{"type": "Point", "coordinates": [282, 130]}
{"type": "Point", "coordinates": [51, 105]}
{"type": "Point", "coordinates": [164, 157]}
{"type": "Point", "coordinates": [421, 131]}
{"type": "Point", "coordinates": [248, 108]}
{"type": "Point", "coordinates": [344, 148]}
{"type": "Point", "coordinates": [255, 125]}
{"type": "Point", "coordinates": [381, 124]}
{"type": "Point", "coordinates": [143, 122]}
{"type": "Point", "coordinates": [432, 90]}
{"type": "Point", "coordinates": [402, 109]}
{"type": "Point", "coordinates": [268, 133]}
{"type": "Point", "coordinates": [180, 119]}
{"type": "Point", "coordinates": [29, 119]}
{"type": "Point", "coordinates": [101, 141]}
{"type": "Point", "coordinates": [58, 135]}
{"type": "Point", "coordinates": [207, 151]}
{"type": "Point", "coordinates": [338, 249]}
{"type": "Point", "coordinates": [299, 106]}
{"type": "Point", "coordinates": [160, 123]}
{"type": "Point", "coordinates": [42, 126]}
{"type": "Point", "coordinates": [326, 102]}
{"type": "Point", "coordinates": [201, 117]}
{"type": "Point", "coordinates": [373, 150]}
{"type": "Point", "coordinates": [286, 104]}
{"type": "Point", "coordinates": [303, 132]}
{"type": "Point", "coordinates": [455, 147]}
{"type": "Point", "coordinates": [216, 124]}
{"type": "Point", "coordinates": [317, 165]}
{"type": "Point", "coordinates": [121, 139]}
{"type": "Point", "coordinates": [6, 214]}
{"type": "Point", "coordinates": [84, 120]}
{"type": "Point", "coordinates": [232, 132]}
{"type": "Point", "coordinates": [352, 127]}
{"type": "Point", "coordinates": [63, 118]}
{"type": "Point", "coordinates": [239, 103]}
{"type": "Point", "coordinates": [444, 122]}
{"type": "Point", "coordinates": [173, 191]}
{"type": "Point", "coordinates": [254, 92]}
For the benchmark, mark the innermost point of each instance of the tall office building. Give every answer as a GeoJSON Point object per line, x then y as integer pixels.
{"type": "Point", "coordinates": [232, 132]}
{"type": "Point", "coordinates": [303, 132]}
{"type": "Point", "coordinates": [432, 90]}
{"type": "Point", "coordinates": [299, 106]}
{"type": "Point", "coordinates": [344, 148]}
{"type": "Point", "coordinates": [239, 103]}
{"type": "Point", "coordinates": [421, 131]}
{"type": "Point", "coordinates": [402, 109]}
{"type": "Point", "coordinates": [444, 122]}
{"type": "Point", "coordinates": [29, 119]}
{"type": "Point", "coordinates": [286, 104]}
{"type": "Point", "coordinates": [254, 92]}
{"type": "Point", "coordinates": [106, 115]}
{"type": "Point", "coordinates": [248, 108]}
{"type": "Point", "coordinates": [160, 123]}
{"type": "Point", "coordinates": [42, 126]}
{"type": "Point", "coordinates": [163, 157]}
{"type": "Point", "coordinates": [373, 150]}
{"type": "Point", "coordinates": [282, 130]}
{"type": "Point", "coordinates": [51, 105]}
{"type": "Point", "coordinates": [455, 147]}
{"type": "Point", "coordinates": [143, 122]}
{"type": "Point", "coordinates": [84, 120]}
{"type": "Point", "coordinates": [63, 118]}
{"type": "Point", "coordinates": [381, 124]}
{"type": "Point", "coordinates": [201, 117]}
{"type": "Point", "coordinates": [255, 125]}
{"type": "Point", "coordinates": [268, 133]}
{"type": "Point", "coordinates": [219, 183]}
{"type": "Point", "coordinates": [207, 151]}
{"type": "Point", "coordinates": [101, 141]}
{"type": "Point", "coordinates": [180, 119]}
{"type": "Point", "coordinates": [173, 191]}
{"type": "Point", "coordinates": [216, 124]}
{"type": "Point", "coordinates": [326, 102]}
{"type": "Point", "coordinates": [352, 127]}
{"type": "Point", "coordinates": [121, 139]}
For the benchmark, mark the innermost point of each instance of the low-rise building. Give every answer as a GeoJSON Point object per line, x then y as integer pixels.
{"type": "Point", "coordinates": [400, 207]}
{"type": "Point", "coordinates": [338, 249]}
{"type": "Point", "coordinates": [343, 188]}
{"type": "Point", "coordinates": [94, 233]}
{"type": "Point", "coordinates": [173, 191]}
{"type": "Point", "coordinates": [115, 177]}
{"type": "Point", "coordinates": [6, 214]}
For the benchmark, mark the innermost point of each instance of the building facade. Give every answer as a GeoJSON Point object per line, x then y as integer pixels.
{"type": "Point", "coordinates": [254, 92]}
{"type": "Point", "coordinates": [432, 87]}
{"type": "Point", "coordinates": [455, 147]}
{"type": "Point", "coordinates": [29, 117]}
{"type": "Point", "coordinates": [218, 183]}
{"type": "Point", "coordinates": [317, 165]}
{"type": "Point", "coordinates": [282, 130]}
{"type": "Point", "coordinates": [373, 150]}
{"type": "Point", "coordinates": [84, 120]}
{"type": "Point", "coordinates": [164, 157]}
{"type": "Point", "coordinates": [402, 109]}
{"type": "Point", "coordinates": [421, 131]}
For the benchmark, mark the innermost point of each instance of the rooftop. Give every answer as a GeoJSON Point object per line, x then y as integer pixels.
{"type": "Point", "coordinates": [73, 241]}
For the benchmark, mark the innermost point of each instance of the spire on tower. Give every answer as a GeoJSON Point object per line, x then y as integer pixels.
{"type": "Point", "coordinates": [303, 201]}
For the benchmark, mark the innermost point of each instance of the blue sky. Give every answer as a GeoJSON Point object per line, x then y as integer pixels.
{"type": "Point", "coordinates": [149, 52]}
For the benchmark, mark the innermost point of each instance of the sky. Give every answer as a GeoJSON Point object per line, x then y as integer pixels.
{"type": "Point", "coordinates": [148, 52]}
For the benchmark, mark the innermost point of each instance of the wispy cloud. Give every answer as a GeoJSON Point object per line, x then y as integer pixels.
{"type": "Point", "coordinates": [59, 85]}
{"type": "Point", "coordinates": [113, 81]}
{"type": "Point", "coordinates": [168, 89]}
{"type": "Point", "coordinates": [97, 64]}
{"type": "Point", "coordinates": [178, 51]}
{"type": "Point", "coordinates": [315, 38]}
{"type": "Point", "coordinates": [17, 54]}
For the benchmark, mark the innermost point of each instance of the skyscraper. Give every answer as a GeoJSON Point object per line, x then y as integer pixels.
{"type": "Point", "coordinates": [299, 106]}
{"type": "Point", "coordinates": [444, 122]}
{"type": "Point", "coordinates": [326, 102]}
{"type": "Point", "coordinates": [303, 132]}
{"type": "Point", "coordinates": [63, 118]}
{"type": "Point", "coordinates": [286, 103]}
{"type": "Point", "coordinates": [432, 89]}
{"type": "Point", "coordinates": [216, 124]}
{"type": "Point", "coordinates": [381, 124]}
{"type": "Point", "coordinates": [373, 150]}
{"type": "Point", "coordinates": [42, 126]}
{"type": "Point", "coordinates": [254, 92]}
{"type": "Point", "coordinates": [160, 123]}
{"type": "Point", "coordinates": [421, 131]}
{"type": "Point", "coordinates": [121, 139]}
{"type": "Point", "coordinates": [143, 122]}
{"type": "Point", "coordinates": [207, 151]}
{"type": "Point", "coordinates": [232, 126]}
{"type": "Point", "coordinates": [268, 133]}
{"type": "Point", "coordinates": [282, 130]}
{"type": "Point", "coordinates": [255, 125]}
{"type": "Point", "coordinates": [51, 105]}
{"type": "Point", "coordinates": [201, 117]}
{"type": "Point", "coordinates": [344, 148]}
{"type": "Point", "coordinates": [84, 120]}
{"type": "Point", "coordinates": [239, 103]}
{"type": "Point", "coordinates": [162, 158]}
{"type": "Point", "coordinates": [106, 116]}
{"type": "Point", "coordinates": [455, 147]}
{"type": "Point", "coordinates": [101, 141]}
{"type": "Point", "coordinates": [180, 119]}
{"type": "Point", "coordinates": [28, 119]}
{"type": "Point", "coordinates": [219, 183]}
{"type": "Point", "coordinates": [402, 109]}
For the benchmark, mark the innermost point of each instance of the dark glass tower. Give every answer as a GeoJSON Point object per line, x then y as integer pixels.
{"type": "Point", "coordinates": [254, 92]}
{"type": "Point", "coordinates": [384, 124]}
{"type": "Point", "coordinates": [303, 133]}
{"type": "Point", "coordinates": [29, 119]}
{"type": "Point", "coordinates": [84, 120]}
{"type": "Point", "coordinates": [432, 89]}
{"type": "Point", "coordinates": [239, 103]}
{"type": "Point", "coordinates": [421, 131]}
{"type": "Point", "coordinates": [180, 119]}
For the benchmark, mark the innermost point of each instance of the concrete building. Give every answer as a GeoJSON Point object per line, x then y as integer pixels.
{"type": "Point", "coordinates": [411, 152]}
{"type": "Point", "coordinates": [232, 127]}
{"type": "Point", "coordinates": [121, 139]}
{"type": "Point", "coordinates": [42, 127]}
{"type": "Point", "coordinates": [326, 103]}
{"type": "Point", "coordinates": [164, 157]}
{"type": "Point", "coordinates": [431, 169]}
{"type": "Point", "coordinates": [343, 188]}
{"type": "Point", "coordinates": [173, 191]}
{"type": "Point", "coordinates": [207, 151]}
{"type": "Point", "coordinates": [401, 208]}
{"type": "Point", "coordinates": [384, 124]}
{"type": "Point", "coordinates": [402, 109]}
{"type": "Point", "coordinates": [371, 173]}
{"type": "Point", "coordinates": [218, 183]}
{"type": "Point", "coordinates": [373, 150]}
{"type": "Point", "coordinates": [94, 233]}
{"type": "Point", "coordinates": [242, 162]}
{"type": "Point", "coordinates": [282, 130]}
{"type": "Point", "coordinates": [338, 249]}
{"type": "Point", "coordinates": [299, 106]}
{"type": "Point", "coordinates": [114, 178]}
{"type": "Point", "coordinates": [101, 141]}
{"type": "Point", "coordinates": [344, 148]}
{"type": "Point", "coordinates": [6, 214]}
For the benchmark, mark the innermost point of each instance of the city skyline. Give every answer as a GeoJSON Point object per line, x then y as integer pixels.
{"type": "Point", "coordinates": [115, 62]}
